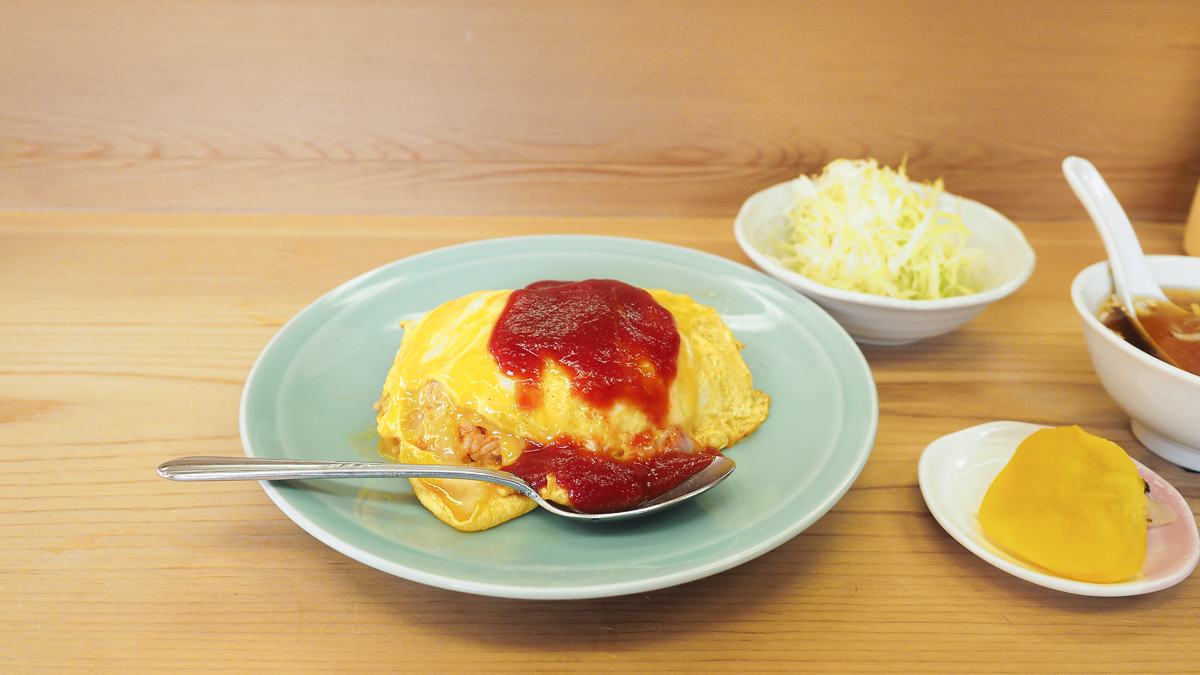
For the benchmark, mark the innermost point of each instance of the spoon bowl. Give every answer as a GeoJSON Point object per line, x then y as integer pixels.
{"type": "Point", "coordinates": [250, 468]}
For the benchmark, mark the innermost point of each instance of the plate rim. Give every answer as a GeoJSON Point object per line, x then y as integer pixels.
{"type": "Point", "coordinates": [645, 584]}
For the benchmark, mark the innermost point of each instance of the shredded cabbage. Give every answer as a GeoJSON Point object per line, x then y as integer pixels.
{"type": "Point", "coordinates": [864, 228]}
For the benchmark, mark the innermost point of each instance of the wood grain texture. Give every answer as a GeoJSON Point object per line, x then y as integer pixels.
{"type": "Point", "coordinates": [587, 107]}
{"type": "Point", "coordinates": [125, 340]}
{"type": "Point", "coordinates": [1191, 231]}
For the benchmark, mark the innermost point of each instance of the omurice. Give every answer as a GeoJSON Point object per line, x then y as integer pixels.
{"type": "Point", "coordinates": [600, 394]}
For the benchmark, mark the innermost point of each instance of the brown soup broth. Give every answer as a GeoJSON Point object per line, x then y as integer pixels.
{"type": "Point", "coordinates": [1112, 315]}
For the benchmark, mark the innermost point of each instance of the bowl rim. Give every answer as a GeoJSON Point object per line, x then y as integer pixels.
{"type": "Point", "coordinates": [818, 289]}
{"type": "Point", "coordinates": [1089, 318]}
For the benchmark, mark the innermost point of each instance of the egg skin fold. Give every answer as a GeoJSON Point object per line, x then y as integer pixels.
{"type": "Point", "coordinates": [1072, 503]}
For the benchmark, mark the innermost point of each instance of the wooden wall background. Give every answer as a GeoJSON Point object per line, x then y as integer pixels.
{"type": "Point", "coordinates": [587, 107]}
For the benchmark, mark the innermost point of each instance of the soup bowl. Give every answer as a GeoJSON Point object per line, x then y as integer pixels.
{"type": "Point", "coordinates": [1162, 401]}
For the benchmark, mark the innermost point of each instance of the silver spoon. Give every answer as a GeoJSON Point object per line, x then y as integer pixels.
{"type": "Point", "coordinates": [249, 468]}
{"type": "Point", "coordinates": [1132, 280]}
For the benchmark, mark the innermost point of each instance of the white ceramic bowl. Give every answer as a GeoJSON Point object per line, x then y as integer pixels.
{"type": "Point", "coordinates": [875, 319]}
{"type": "Point", "coordinates": [1162, 401]}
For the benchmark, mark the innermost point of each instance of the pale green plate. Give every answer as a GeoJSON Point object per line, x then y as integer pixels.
{"type": "Point", "coordinates": [310, 395]}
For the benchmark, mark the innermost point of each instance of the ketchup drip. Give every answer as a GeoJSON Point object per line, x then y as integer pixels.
{"type": "Point", "coordinates": [614, 340]}
{"type": "Point", "coordinates": [599, 484]}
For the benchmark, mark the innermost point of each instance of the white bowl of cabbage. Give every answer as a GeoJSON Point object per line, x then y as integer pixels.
{"type": "Point", "coordinates": [892, 260]}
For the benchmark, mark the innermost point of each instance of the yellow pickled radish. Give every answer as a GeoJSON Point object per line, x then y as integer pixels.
{"type": "Point", "coordinates": [1072, 503]}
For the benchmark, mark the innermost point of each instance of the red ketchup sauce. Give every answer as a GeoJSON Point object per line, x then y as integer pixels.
{"type": "Point", "coordinates": [615, 341]}
{"type": "Point", "coordinates": [618, 345]}
{"type": "Point", "coordinates": [599, 484]}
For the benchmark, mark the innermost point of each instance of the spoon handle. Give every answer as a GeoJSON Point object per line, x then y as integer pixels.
{"type": "Point", "coordinates": [1131, 275]}
{"type": "Point", "coordinates": [250, 468]}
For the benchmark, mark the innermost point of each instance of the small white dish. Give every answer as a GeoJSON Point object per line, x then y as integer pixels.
{"type": "Point", "coordinates": [875, 319]}
{"type": "Point", "coordinates": [1161, 400]}
{"type": "Point", "coordinates": [956, 470]}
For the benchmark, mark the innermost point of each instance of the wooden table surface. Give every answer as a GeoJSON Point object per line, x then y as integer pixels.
{"type": "Point", "coordinates": [126, 339]}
